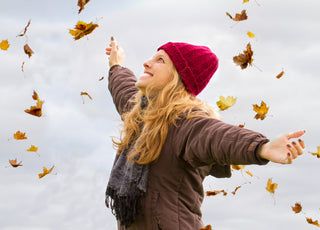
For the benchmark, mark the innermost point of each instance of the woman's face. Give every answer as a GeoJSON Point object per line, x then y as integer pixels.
{"type": "Point", "coordinates": [158, 71]}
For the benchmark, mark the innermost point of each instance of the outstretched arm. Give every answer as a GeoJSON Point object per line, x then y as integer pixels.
{"type": "Point", "coordinates": [282, 150]}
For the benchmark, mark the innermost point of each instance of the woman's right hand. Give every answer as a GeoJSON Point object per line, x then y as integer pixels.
{"type": "Point", "coordinates": [116, 53]}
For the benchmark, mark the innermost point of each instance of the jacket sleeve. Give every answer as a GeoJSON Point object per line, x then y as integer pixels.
{"type": "Point", "coordinates": [122, 87]}
{"type": "Point", "coordinates": [210, 141]}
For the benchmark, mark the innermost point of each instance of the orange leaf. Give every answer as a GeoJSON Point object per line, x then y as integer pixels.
{"type": "Point", "coordinates": [241, 125]}
{"type": "Point", "coordinates": [244, 1]}
{"type": "Point", "coordinates": [280, 75]}
{"type": "Point", "coordinates": [4, 44]}
{"type": "Point", "coordinates": [81, 4]}
{"type": "Point", "coordinates": [37, 109]}
{"type": "Point", "coordinates": [271, 187]}
{"type": "Point", "coordinates": [25, 29]}
{"type": "Point", "coordinates": [28, 50]}
{"type": "Point", "coordinates": [45, 172]}
{"type": "Point", "coordinates": [310, 221]}
{"type": "Point", "coordinates": [238, 167]}
{"type": "Point", "coordinates": [249, 173]}
{"type": "Point", "coordinates": [297, 208]}
{"type": "Point", "coordinates": [245, 59]}
{"type": "Point", "coordinates": [261, 110]}
{"type": "Point", "coordinates": [85, 93]}
{"type": "Point", "coordinates": [33, 149]}
{"type": "Point", "coordinates": [317, 153]}
{"type": "Point", "coordinates": [239, 17]}
{"type": "Point", "coordinates": [82, 29]}
{"type": "Point", "coordinates": [14, 163]}
{"type": "Point", "coordinates": [19, 136]}
{"type": "Point", "coordinates": [208, 227]}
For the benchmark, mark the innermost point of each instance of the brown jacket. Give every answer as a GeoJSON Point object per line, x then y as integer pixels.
{"type": "Point", "coordinates": [196, 148]}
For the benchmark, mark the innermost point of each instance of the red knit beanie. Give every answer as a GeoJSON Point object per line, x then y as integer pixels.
{"type": "Point", "coordinates": [195, 64]}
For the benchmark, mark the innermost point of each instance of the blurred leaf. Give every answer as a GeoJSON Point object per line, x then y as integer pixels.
{"type": "Point", "coordinates": [239, 17]}
{"type": "Point", "coordinates": [82, 29]}
{"type": "Point", "coordinates": [245, 59]}
{"type": "Point", "coordinates": [4, 45]}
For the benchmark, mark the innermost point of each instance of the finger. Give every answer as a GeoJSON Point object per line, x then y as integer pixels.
{"type": "Point", "coordinates": [301, 143]}
{"type": "Point", "coordinates": [298, 147]}
{"type": "Point", "coordinates": [289, 159]}
{"type": "Point", "coordinates": [293, 151]}
{"type": "Point", "coordinates": [296, 134]}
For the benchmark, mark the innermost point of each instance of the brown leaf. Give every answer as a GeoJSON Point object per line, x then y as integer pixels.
{"type": "Point", "coordinates": [297, 208]}
{"type": "Point", "coordinates": [238, 167]}
{"type": "Point", "coordinates": [234, 192]}
{"type": "Point", "coordinates": [101, 78]}
{"type": "Point", "coordinates": [245, 59]}
{"type": "Point", "coordinates": [25, 29]}
{"type": "Point", "coordinates": [28, 50]}
{"type": "Point", "coordinates": [82, 29]}
{"type": "Point", "coordinates": [213, 193]}
{"type": "Point", "coordinates": [280, 75]}
{"type": "Point", "coordinates": [81, 4]}
{"type": "Point", "coordinates": [239, 17]}
{"type": "Point", "coordinates": [14, 163]}
{"type": "Point", "coordinates": [314, 222]}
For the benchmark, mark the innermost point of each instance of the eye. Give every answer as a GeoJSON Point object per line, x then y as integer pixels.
{"type": "Point", "coordinates": [161, 59]}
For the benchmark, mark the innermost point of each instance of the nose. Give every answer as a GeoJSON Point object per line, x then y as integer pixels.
{"type": "Point", "coordinates": [147, 64]}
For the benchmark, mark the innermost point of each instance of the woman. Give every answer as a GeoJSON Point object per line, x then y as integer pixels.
{"type": "Point", "coordinates": [171, 140]}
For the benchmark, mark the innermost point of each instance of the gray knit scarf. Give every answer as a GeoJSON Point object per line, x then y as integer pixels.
{"type": "Point", "coordinates": [127, 185]}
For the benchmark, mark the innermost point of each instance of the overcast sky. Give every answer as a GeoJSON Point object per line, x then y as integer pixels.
{"type": "Point", "coordinates": [74, 132]}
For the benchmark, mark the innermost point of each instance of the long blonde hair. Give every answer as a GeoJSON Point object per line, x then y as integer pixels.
{"type": "Point", "coordinates": [148, 128]}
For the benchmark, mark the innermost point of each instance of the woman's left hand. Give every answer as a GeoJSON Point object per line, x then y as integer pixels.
{"type": "Point", "coordinates": [282, 150]}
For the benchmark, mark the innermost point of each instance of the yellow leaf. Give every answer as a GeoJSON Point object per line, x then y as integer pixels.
{"type": "Point", "coordinates": [226, 103]}
{"type": "Point", "coordinates": [251, 35]}
{"type": "Point", "coordinates": [33, 149]}
{"type": "Point", "coordinates": [244, 1]}
{"type": "Point", "coordinates": [317, 153]}
{"type": "Point", "coordinates": [19, 135]}
{"type": "Point", "coordinates": [45, 172]}
{"type": "Point", "coordinates": [37, 109]}
{"type": "Point", "coordinates": [4, 45]}
{"type": "Point", "coordinates": [261, 110]}
{"type": "Point", "coordinates": [81, 4]}
{"type": "Point", "coordinates": [271, 187]}
{"type": "Point", "coordinates": [82, 29]}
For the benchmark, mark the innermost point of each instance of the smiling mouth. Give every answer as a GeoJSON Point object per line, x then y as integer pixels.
{"type": "Point", "coordinates": [148, 73]}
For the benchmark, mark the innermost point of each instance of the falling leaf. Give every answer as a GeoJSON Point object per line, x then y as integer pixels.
{"type": "Point", "coordinates": [261, 110]}
{"type": "Point", "coordinates": [251, 35]}
{"type": "Point", "coordinates": [244, 1]}
{"type": "Point", "coordinates": [101, 78]}
{"type": "Point", "coordinates": [310, 221]}
{"type": "Point", "coordinates": [280, 75]}
{"type": "Point", "coordinates": [14, 163]}
{"type": "Point", "coordinates": [85, 93]}
{"type": "Point", "coordinates": [208, 227]}
{"type": "Point", "coordinates": [22, 67]}
{"type": "Point", "coordinates": [33, 149]}
{"type": "Point", "coordinates": [37, 109]}
{"type": "Point", "coordinates": [241, 125]}
{"type": "Point", "coordinates": [213, 193]}
{"type": "Point", "coordinates": [234, 192]}
{"type": "Point", "coordinates": [28, 50]}
{"type": "Point", "coordinates": [226, 103]}
{"type": "Point", "coordinates": [297, 208]}
{"type": "Point", "coordinates": [317, 153]}
{"type": "Point", "coordinates": [19, 135]}
{"type": "Point", "coordinates": [25, 29]}
{"type": "Point", "coordinates": [4, 44]}
{"type": "Point", "coordinates": [45, 172]}
{"type": "Point", "coordinates": [82, 29]}
{"type": "Point", "coordinates": [271, 187]}
{"type": "Point", "coordinates": [249, 173]}
{"type": "Point", "coordinates": [245, 59]}
{"type": "Point", "coordinates": [238, 167]}
{"type": "Point", "coordinates": [81, 4]}
{"type": "Point", "coordinates": [239, 17]}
